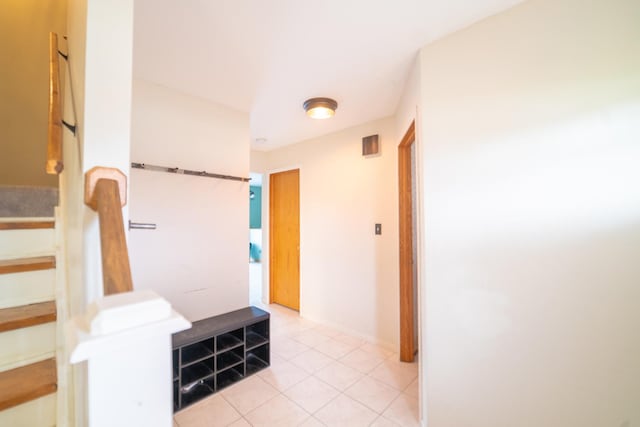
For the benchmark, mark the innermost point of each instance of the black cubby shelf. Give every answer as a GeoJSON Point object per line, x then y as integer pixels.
{"type": "Point", "coordinates": [217, 352]}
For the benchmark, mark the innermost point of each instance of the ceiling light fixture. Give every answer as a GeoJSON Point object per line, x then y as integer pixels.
{"type": "Point", "coordinates": [320, 108]}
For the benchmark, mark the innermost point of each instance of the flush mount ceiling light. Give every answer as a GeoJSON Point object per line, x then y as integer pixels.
{"type": "Point", "coordinates": [320, 108]}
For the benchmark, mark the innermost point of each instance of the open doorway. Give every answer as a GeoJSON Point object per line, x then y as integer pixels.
{"type": "Point", "coordinates": [255, 239]}
{"type": "Point", "coordinates": [408, 240]}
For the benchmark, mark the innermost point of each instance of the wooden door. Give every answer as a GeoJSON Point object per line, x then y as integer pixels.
{"type": "Point", "coordinates": [284, 238]}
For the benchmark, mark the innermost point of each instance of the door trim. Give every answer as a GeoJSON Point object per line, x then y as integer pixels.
{"type": "Point", "coordinates": [407, 315]}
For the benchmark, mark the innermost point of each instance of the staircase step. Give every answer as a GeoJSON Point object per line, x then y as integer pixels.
{"type": "Point", "coordinates": [26, 225]}
{"type": "Point", "coordinates": [26, 201]}
{"type": "Point", "coordinates": [25, 242]}
{"type": "Point", "coordinates": [27, 383]}
{"type": "Point", "coordinates": [40, 412]}
{"type": "Point", "coordinates": [27, 315]}
{"type": "Point", "coordinates": [27, 287]}
{"type": "Point", "coordinates": [27, 264]}
{"type": "Point", "coordinates": [23, 346]}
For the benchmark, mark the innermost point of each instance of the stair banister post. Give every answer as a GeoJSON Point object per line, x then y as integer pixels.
{"type": "Point", "coordinates": [125, 339]}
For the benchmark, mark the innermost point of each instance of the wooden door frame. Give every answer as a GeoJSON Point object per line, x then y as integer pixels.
{"type": "Point", "coordinates": [407, 315]}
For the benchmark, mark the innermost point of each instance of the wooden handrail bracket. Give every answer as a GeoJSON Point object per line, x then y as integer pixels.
{"type": "Point", "coordinates": [97, 173]}
{"type": "Point", "coordinates": [54, 129]}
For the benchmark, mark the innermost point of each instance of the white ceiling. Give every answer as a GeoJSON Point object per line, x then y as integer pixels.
{"type": "Point", "coordinates": [267, 57]}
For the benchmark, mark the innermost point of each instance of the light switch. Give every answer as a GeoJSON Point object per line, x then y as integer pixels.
{"type": "Point", "coordinates": [378, 229]}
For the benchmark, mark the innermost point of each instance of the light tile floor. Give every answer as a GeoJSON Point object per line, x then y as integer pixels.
{"type": "Point", "coordinates": [318, 377]}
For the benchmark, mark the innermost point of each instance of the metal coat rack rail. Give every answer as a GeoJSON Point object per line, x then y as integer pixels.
{"type": "Point", "coordinates": [188, 172]}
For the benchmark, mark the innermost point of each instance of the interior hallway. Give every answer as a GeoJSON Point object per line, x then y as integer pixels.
{"type": "Point", "coordinates": [318, 377]}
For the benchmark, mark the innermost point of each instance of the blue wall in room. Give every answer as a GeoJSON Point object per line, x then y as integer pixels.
{"type": "Point", "coordinates": [255, 208]}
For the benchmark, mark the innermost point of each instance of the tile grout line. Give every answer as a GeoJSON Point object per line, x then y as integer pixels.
{"type": "Point", "coordinates": [232, 405]}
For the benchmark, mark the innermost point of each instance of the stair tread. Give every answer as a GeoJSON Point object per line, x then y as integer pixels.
{"type": "Point", "coordinates": [27, 315]}
{"type": "Point", "coordinates": [26, 383]}
{"type": "Point", "coordinates": [26, 225]}
{"type": "Point", "coordinates": [27, 264]}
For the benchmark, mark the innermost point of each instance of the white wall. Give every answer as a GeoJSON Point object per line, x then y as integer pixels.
{"type": "Point", "coordinates": [259, 160]}
{"type": "Point", "coordinates": [71, 179]}
{"type": "Point", "coordinates": [98, 99]}
{"type": "Point", "coordinates": [105, 128]}
{"type": "Point", "coordinates": [407, 109]}
{"type": "Point", "coordinates": [530, 122]}
{"type": "Point", "coordinates": [348, 275]}
{"type": "Point", "coordinates": [198, 256]}
{"type": "Point", "coordinates": [72, 211]}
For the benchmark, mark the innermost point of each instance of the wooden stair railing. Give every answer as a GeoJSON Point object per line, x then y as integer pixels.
{"type": "Point", "coordinates": [105, 193]}
{"type": "Point", "coordinates": [54, 138]}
